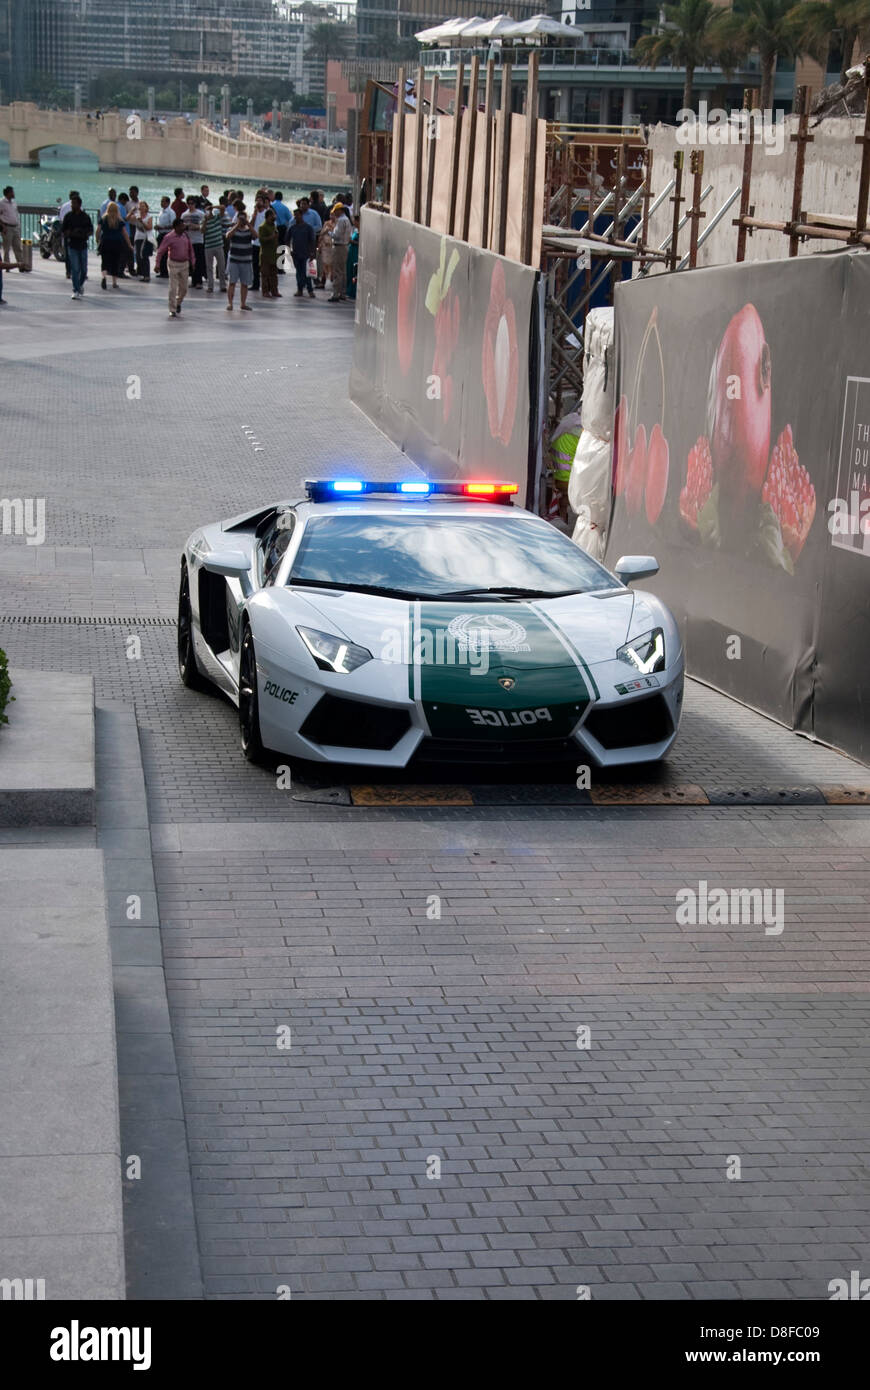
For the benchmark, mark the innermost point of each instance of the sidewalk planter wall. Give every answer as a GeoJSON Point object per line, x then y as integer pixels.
{"type": "Point", "coordinates": [5, 687]}
{"type": "Point", "coordinates": [446, 352]}
{"type": "Point", "coordinates": [742, 461]}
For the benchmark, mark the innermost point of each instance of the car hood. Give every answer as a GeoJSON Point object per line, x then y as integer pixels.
{"type": "Point", "coordinates": [535, 633]}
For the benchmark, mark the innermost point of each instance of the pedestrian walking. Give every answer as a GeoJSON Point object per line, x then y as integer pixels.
{"type": "Point", "coordinates": [77, 230]}
{"type": "Point", "coordinates": [239, 271]}
{"type": "Point", "coordinates": [261, 206]}
{"type": "Point", "coordinates": [193, 219]}
{"type": "Point", "coordinates": [113, 243]}
{"type": "Point", "coordinates": [283, 217]}
{"type": "Point", "coordinates": [67, 206]}
{"type": "Point", "coordinates": [177, 250]}
{"type": "Point", "coordinates": [340, 242]}
{"type": "Point", "coordinates": [268, 235]}
{"type": "Point", "coordinates": [213, 238]}
{"type": "Point", "coordinates": [324, 252]}
{"type": "Point", "coordinates": [302, 243]}
{"type": "Point", "coordinates": [143, 241]}
{"type": "Point", "coordinates": [10, 227]}
{"type": "Point", "coordinates": [165, 219]}
{"type": "Point", "coordinates": [128, 260]}
{"type": "Point", "coordinates": [62, 211]}
{"type": "Point", "coordinates": [353, 259]}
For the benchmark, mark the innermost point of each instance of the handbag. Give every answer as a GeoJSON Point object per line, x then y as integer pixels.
{"type": "Point", "coordinates": [311, 268]}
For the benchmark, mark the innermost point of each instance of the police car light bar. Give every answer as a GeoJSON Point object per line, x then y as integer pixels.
{"type": "Point", "coordinates": [331, 489]}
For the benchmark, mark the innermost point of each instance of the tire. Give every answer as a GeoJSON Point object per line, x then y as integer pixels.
{"type": "Point", "coordinates": [249, 700]}
{"type": "Point", "coordinates": [46, 255]}
{"type": "Point", "coordinates": [59, 253]}
{"type": "Point", "coordinates": [188, 672]}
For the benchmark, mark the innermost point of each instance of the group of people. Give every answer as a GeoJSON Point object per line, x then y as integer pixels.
{"type": "Point", "coordinates": [198, 241]}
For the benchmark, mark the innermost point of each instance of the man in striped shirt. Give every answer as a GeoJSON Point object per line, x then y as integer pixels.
{"type": "Point", "coordinates": [240, 268]}
{"type": "Point", "coordinates": [213, 232]}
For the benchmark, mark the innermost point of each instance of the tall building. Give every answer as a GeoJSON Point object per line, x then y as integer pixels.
{"type": "Point", "coordinates": [71, 41]}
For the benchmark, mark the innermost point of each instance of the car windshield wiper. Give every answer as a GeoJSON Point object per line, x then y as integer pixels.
{"type": "Point", "coordinates": [350, 588]}
{"type": "Point", "coordinates": [500, 591]}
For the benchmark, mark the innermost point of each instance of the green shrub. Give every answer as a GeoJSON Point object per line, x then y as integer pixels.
{"type": "Point", "coordinates": [5, 686]}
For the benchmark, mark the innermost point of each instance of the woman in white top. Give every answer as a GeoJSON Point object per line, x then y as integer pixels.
{"type": "Point", "coordinates": [144, 242]}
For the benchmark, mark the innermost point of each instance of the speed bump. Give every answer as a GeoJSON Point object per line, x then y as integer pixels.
{"type": "Point", "coordinates": [840, 795]}
{"type": "Point", "coordinates": [411, 796]}
{"type": "Point", "coordinates": [681, 794]}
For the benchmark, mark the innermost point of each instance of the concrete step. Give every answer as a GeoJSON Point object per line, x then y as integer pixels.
{"type": "Point", "coordinates": [47, 751]}
{"type": "Point", "coordinates": [60, 1160]}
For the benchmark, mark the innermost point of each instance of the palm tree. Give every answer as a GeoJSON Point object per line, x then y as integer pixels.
{"type": "Point", "coordinates": [768, 28]}
{"type": "Point", "coordinates": [818, 22]}
{"type": "Point", "coordinates": [691, 36]}
{"type": "Point", "coordinates": [328, 41]}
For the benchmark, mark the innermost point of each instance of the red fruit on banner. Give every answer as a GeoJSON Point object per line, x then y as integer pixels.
{"type": "Point", "coordinates": [790, 493]}
{"type": "Point", "coordinates": [406, 311]}
{"type": "Point", "coordinates": [657, 461]}
{"type": "Point", "coordinates": [636, 471]}
{"type": "Point", "coordinates": [738, 411]}
{"type": "Point", "coordinates": [620, 447]}
{"type": "Point", "coordinates": [699, 482]}
{"type": "Point", "coordinates": [500, 359]}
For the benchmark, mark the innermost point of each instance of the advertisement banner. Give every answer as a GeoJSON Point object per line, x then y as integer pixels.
{"type": "Point", "coordinates": [741, 461]}
{"type": "Point", "coordinates": [445, 347]}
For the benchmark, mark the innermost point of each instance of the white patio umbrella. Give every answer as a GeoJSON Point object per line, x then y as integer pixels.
{"type": "Point", "coordinates": [489, 28]}
{"type": "Point", "coordinates": [540, 26]}
{"type": "Point", "coordinates": [448, 32]}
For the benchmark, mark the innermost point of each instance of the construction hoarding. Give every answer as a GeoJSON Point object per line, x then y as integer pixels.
{"type": "Point", "coordinates": [446, 352]}
{"type": "Point", "coordinates": [742, 461]}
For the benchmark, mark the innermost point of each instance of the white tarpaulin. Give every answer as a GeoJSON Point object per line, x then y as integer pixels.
{"type": "Point", "coordinates": [590, 480]}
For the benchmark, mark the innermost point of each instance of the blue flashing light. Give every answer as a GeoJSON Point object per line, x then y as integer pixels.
{"type": "Point", "coordinates": [422, 488]}
{"type": "Point", "coordinates": [348, 485]}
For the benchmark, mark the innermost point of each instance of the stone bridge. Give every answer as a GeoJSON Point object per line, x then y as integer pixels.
{"type": "Point", "coordinates": [134, 142]}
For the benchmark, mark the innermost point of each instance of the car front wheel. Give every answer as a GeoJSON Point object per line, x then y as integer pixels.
{"type": "Point", "coordinates": [249, 704]}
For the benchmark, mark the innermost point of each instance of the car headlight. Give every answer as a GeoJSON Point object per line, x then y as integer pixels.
{"type": "Point", "coordinates": [333, 653]}
{"type": "Point", "coordinates": [646, 654]}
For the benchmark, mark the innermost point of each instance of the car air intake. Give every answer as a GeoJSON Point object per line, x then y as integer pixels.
{"type": "Point", "coordinates": [630, 725]}
{"type": "Point", "coordinates": [351, 724]}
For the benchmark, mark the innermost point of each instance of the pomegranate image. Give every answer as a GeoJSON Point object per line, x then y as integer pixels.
{"type": "Point", "coordinates": [500, 364]}
{"type": "Point", "coordinates": [406, 311]}
{"type": "Point", "coordinates": [446, 338]}
{"type": "Point", "coordinates": [790, 493]}
{"type": "Point", "coordinates": [738, 411]}
{"type": "Point", "coordinates": [699, 482]}
{"type": "Point", "coordinates": [657, 460]}
{"type": "Point", "coordinates": [620, 447]}
{"type": "Point", "coordinates": [636, 471]}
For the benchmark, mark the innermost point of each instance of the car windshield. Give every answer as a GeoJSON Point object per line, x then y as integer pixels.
{"type": "Point", "coordinates": [444, 556]}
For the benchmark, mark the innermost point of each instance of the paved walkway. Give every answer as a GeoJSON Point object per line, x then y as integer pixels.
{"type": "Point", "coordinates": [417, 1036]}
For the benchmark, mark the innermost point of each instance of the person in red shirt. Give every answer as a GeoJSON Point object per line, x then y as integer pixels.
{"type": "Point", "coordinates": [178, 252]}
{"type": "Point", "coordinates": [179, 203]}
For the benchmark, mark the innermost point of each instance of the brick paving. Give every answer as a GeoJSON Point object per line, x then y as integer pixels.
{"type": "Point", "coordinates": [417, 1037]}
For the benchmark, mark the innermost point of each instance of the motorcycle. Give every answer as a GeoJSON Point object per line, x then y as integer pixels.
{"type": "Point", "coordinates": [51, 238]}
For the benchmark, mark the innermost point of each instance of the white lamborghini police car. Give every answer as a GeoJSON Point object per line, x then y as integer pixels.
{"type": "Point", "coordinates": [369, 622]}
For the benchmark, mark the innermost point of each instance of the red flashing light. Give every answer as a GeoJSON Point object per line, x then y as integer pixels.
{"type": "Point", "coordinates": [488, 489]}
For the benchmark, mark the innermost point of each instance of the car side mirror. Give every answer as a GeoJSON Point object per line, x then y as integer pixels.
{"type": "Point", "coordinates": [232, 564]}
{"type": "Point", "coordinates": [629, 567]}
